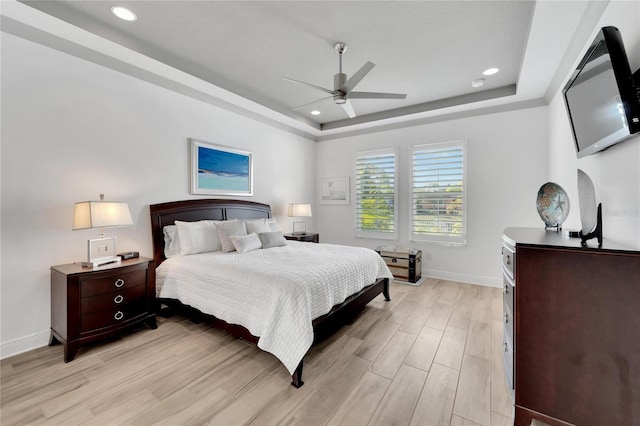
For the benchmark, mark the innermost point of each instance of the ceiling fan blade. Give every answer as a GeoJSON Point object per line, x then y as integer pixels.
{"type": "Point", "coordinates": [355, 78]}
{"type": "Point", "coordinates": [376, 95]}
{"type": "Point", "coordinates": [348, 108]}
{"type": "Point", "coordinates": [312, 102]}
{"type": "Point", "coordinates": [309, 84]}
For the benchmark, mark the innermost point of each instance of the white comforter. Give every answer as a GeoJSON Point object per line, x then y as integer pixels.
{"type": "Point", "coordinates": [274, 293]}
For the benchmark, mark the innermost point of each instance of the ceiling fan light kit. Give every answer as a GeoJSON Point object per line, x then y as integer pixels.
{"type": "Point", "coordinates": [342, 86]}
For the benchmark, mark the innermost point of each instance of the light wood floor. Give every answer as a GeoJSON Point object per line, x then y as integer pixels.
{"type": "Point", "coordinates": [431, 356]}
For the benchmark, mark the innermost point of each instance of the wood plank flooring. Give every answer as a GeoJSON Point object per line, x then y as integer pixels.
{"type": "Point", "coordinates": [431, 356]}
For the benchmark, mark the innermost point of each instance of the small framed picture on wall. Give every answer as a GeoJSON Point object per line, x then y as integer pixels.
{"type": "Point", "coordinates": [334, 190]}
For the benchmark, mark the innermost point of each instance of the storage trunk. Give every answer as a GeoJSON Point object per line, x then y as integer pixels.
{"type": "Point", "coordinates": [405, 263]}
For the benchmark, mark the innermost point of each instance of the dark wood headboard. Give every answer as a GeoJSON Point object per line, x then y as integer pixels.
{"type": "Point", "coordinates": [193, 210]}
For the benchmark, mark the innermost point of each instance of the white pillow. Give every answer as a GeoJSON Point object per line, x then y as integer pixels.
{"type": "Point", "coordinates": [245, 243]}
{"type": "Point", "coordinates": [272, 224]}
{"type": "Point", "coordinates": [227, 229]}
{"type": "Point", "coordinates": [197, 237]}
{"type": "Point", "coordinates": [171, 241]}
{"type": "Point", "coordinates": [272, 239]}
{"type": "Point", "coordinates": [257, 225]}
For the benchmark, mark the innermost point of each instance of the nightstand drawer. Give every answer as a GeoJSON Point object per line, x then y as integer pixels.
{"type": "Point", "coordinates": [91, 322]}
{"type": "Point", "coordinates": [308, 237]}
{"type": "Point", "coordinates": [114, 282]}
{"type": "Point", "coordinates": [113, 300]}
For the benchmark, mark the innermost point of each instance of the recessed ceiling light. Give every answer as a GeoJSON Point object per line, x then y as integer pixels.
{"type": "Point", "coordinates": [123, 13]}
{"type": "Point", "coordinates": [315, 112]}
{"type": "Point", "coordinates": [478, 83]}
{"type": "Point", "coordinates": [491, 71]}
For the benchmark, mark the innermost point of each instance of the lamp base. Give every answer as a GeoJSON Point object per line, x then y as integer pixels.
{"type": "Point", "coordinates": [299, 228]}
{"type": "Point", "coordinates": [103, 261]}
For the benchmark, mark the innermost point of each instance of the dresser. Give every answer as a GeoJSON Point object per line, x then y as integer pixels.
{"type": "Point", "coordinates": [88, 304]}
{"type": "Point", "coordinates": [571, 328]}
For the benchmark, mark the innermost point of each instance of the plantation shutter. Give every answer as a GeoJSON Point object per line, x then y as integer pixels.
{"type": "Point", "coordinates": [438, 193]}
{"type": "Point", "coordinates": [376, 194]}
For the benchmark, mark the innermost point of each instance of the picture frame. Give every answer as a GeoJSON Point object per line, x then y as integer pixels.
{"type": "Point", "coordinates": [220, 170]}
{"type": "Point", "coordinates": [334, 190]}
{"type": "Point", "coordinates": [101, 249]}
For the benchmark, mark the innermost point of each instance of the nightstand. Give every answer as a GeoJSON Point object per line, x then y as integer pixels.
{"type": "Point", "coordinates": [309, 237]}
{"type": "Point", "coordinates": [89, 304]}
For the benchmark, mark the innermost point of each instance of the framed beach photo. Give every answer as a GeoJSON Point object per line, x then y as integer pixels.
{"type": "Point", "coordinates": [220, 170]}
{"type": "Point", "coordinates": [334, 190]}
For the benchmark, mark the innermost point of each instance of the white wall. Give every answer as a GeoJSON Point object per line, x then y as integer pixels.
{"type": "Point", "coordinates": [507, 164]}
{"type": "Point", "coordinates": [72, 130]}
{"type": "Point", "coordinates": [616, 171]}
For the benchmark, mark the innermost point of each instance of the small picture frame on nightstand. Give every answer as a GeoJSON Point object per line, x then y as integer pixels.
{"type": "Point", "coordinates": [101, 247]}
{"type": "Point", "coordinates": [101, 251]}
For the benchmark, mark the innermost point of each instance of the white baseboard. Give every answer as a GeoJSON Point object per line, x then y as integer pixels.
{"type": "Point", "coordinates": [24, 344]}
{"type": "Point", "coordinates": [464, 278]}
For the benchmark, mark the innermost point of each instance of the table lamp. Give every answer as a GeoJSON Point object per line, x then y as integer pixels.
{"type": "Point", "coordinates": [299, 210]}
{"type": "Point", "coordinates": [101, 214]}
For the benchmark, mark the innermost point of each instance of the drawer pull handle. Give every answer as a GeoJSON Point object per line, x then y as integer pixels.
{"type": "Point", "coordinates": [118, 298]}
{"type": "Point", "coordinates": [119, 315]}
{"type": "Point", "coordinates": [119, 282]}
{"type": "Point", "coordinates": [506, 318]}
{"type": "Point", "coordinates": [506, 349]}
{"type": "Point", "coordinates": [394, 260]}
{"type": "Point", "coordinates": [506, 289]}
{"type": "Point", "coordinates": [508, 260]}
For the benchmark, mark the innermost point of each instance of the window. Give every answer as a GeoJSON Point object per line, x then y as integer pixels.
{"type": "Point", "coordinates": [438, 193]}
{"type": "Point", "coordinates": [376, 194]}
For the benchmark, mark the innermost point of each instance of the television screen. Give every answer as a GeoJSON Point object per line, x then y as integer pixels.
{"type": "Point", "coordinates": [601, 98]}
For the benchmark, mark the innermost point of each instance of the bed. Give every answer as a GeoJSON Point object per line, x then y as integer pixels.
{"type": "Point", "coordinates": [352, 284]}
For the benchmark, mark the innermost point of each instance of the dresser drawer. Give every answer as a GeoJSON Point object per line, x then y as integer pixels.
{"type": "Point", "coordinates": [113, 300]}
{"type": "Point", "coordinates": [96, 320]}
{"type": "Point", "coordinates": [507, 320]}
{"type": "Point", "coordinates": [508, 260]}
{"type": "Point", "coordinates": [508, 361]}
{"type": "Point", "coordinates": [114, 282]}
{"type": "Point", "coordinates": [508, 291]}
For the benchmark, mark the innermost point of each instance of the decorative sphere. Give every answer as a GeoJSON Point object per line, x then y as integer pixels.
{"type": "Point", "coordinates": [553, 204]}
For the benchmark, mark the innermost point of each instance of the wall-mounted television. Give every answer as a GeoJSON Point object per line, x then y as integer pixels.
{"type": "Point", "coordinates": [603, 96]}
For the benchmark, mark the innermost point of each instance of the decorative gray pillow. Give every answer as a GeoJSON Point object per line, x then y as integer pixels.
{"type": "Point", "coordinates": [272, 239]}
{"type": "Point", "coordinates": [245, 243]}
{"type": "Point", "coordinates": [227, 229]}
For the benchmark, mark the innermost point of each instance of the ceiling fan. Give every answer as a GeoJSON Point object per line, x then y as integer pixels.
{"type": "Point", "coordinates": [343, 88]}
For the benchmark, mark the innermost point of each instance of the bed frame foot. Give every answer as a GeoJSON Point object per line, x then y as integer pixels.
{"type": "Point", "coordinates": [385, 290]}
{"type": "Point", "coordinates": [296, 377]}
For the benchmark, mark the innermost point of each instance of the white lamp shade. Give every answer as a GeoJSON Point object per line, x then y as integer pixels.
{"type": "Point", "coordinates": [299, 210]}
{"type": "Point", "coordinates": [101, 214]}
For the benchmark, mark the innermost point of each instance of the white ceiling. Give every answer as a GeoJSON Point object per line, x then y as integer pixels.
{"type": "Point", "coordinates": [430, 50]}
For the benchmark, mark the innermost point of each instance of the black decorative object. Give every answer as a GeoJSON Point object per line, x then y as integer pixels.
{"type": "Point", "coordinates": [590, 218]}
{"type": "Point", "coordinates": [597, 232]}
